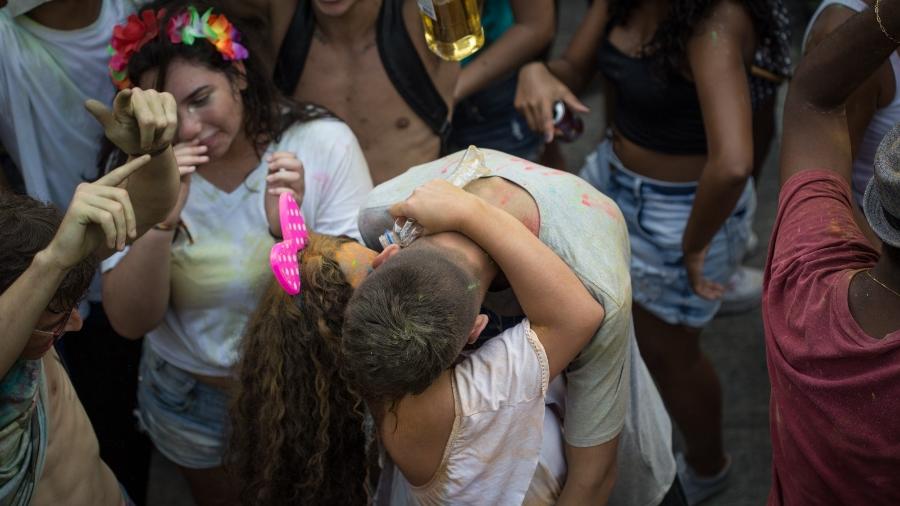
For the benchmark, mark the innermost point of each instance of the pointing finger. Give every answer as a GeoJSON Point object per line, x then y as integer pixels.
{"type": "Point", "coordinates": [121, 173]}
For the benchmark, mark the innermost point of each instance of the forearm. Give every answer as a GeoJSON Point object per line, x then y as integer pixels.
{"type": "Point", "coordinates": [520, 44]}
{"type": "Point", "coordinates": [541, 281]}
{"type": "Point", "coordinates": [591, 474]}
{"type": "Point", "coordinates": [153, 190]}
{"type": "Point", "coordinates": [569, 74]}
{"type": "Point", "coordinates": [22, 304]}
{"type": "Point", "coordinates": [136, 291]}
{"type": "Point", "coordinates": [846, 61]}
{"type": "Point", "coordinates": [718, 192]}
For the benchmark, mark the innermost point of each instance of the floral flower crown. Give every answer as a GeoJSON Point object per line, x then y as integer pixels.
{"type": "Point", "coordinates": [184, 28]}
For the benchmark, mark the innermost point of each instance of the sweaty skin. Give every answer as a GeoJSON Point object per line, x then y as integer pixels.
{"type": "Point", "coordinates": [73, 471]}
{"type": "Point", "coordinates": [344, 73]}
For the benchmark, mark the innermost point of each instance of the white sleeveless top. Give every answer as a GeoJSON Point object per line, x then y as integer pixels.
{"type": "Point", "coordinates": [883, 120]}
{"type": "Point", "coordinates": [506, 445]}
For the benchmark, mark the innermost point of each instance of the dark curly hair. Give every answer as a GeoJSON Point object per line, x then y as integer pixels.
{"type": "Point", "coordinates": [26, 227]}
{"type": "Point", "coordinates": [267, 112]}
{"type": "Point", "coordinates": [297, 428]}
{"type": "Point", "coordinates": [669, 43]}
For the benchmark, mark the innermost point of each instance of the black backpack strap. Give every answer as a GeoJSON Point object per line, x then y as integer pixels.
{"type": "Point", "coordinates": [294, 48]}
{"type": "Point", "coordinates": [405, 70]}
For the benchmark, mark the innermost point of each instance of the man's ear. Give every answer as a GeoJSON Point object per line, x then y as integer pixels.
{"type": "Point", "coordinates": [481, 322]}
{"type": "Point", "coordinates": [385, 254]}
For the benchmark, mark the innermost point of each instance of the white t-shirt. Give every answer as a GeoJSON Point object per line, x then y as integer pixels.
{"type": "Point", "coordinates": [220, 267]}
{"type": "Point", "coordinates": [45, 77]}
{"type": "Point", "coordinates": [497, 452]}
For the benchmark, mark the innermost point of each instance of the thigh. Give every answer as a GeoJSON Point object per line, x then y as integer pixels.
{"type": "Point", "coordinates": [664, 345]}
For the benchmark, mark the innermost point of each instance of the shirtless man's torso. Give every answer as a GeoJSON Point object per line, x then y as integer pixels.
{"type": "Point", "coordinates": [344, 72]}
{"type": "Point", "coordinates": [73, 471]}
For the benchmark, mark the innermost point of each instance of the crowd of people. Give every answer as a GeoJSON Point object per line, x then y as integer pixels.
{"type": "Point", "coordinates": [227, 233]}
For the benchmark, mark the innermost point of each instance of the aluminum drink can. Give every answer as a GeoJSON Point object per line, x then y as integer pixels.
{"type": "Point", "coordinates": [568, 126]}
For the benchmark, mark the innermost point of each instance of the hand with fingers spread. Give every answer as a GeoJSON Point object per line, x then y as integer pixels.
{"type": "Point", "coordinates": [439, 207]}
{"type": "Point", "coordinates": [537, 91]}
{"type": "Point", "coordinates": [100, 215]}
{"type": "Point", "coordinates": [286, 175]}
{"type": "Point", "coordinates": [702, 286]}
{"type": "Point", "coordinates": [141, 121]}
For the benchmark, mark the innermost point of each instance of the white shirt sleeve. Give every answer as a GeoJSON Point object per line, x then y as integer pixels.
{"type": "Point", "coordinates": [337, 177]}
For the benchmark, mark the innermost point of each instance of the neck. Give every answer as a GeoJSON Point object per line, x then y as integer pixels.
{"type": "Point", "coordinates": [66, 14]}
{"type": "Point", "coordinates": [354, 25]}
{"type": "Point", "coordinates": [887, 270]}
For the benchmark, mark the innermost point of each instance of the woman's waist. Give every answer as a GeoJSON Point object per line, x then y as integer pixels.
{"type": "Point", "coordinates": [661, 167]}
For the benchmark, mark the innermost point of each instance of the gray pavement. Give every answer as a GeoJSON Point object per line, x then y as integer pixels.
{"type": "Point", "coordinates": [735, 343]}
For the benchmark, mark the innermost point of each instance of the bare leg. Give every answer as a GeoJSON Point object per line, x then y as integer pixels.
{"type": "Point", "coordinates": [688, 384]}
{"type": "Point", "coordinates": [210, 487]}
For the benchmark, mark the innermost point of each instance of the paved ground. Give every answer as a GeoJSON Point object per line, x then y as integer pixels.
{"type": "Point", "coordinates": [735, 345]}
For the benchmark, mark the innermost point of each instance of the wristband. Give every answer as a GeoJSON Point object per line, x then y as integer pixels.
{"type": "Point", "coordinates": [155, 152]}
{"type": "Point", "coordinates": [164, 227]}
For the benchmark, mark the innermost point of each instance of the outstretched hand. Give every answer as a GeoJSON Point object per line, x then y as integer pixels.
{"type": "Point", "coordinates": [536, 92]}
{"type": "Point", "coordinates": [141, 121]}
{"type": "Point", "coordinates": [438, 206]}
{"type": "Point", "coordinates": [100, 214]}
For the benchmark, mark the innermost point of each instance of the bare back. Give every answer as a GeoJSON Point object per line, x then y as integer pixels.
{"type": "Point", "coordinates": [348, 78]}
{"type": "Point", "coordinates": [73, 472]}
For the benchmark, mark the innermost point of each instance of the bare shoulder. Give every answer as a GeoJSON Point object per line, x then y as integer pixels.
{"type": "Point", "coordinates": [729, 19]}
{"type": "Point", "coordinates": [417, 432]}
{"type": "Point", "coordinates": [443, 73]}
{"type": "Point", "coordinates": [726, 34]}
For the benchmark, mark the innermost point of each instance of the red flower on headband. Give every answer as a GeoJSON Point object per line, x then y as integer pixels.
{"type": "Point", "coordinates": [130, 37]}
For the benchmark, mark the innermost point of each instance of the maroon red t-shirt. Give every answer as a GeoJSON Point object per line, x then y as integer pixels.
{"type": "Point", "coordinates": [835, 404]}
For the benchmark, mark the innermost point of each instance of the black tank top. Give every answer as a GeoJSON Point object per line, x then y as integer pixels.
{"type": "Point", "coordinates": [658, 113]}
{"type": "Point", "coordinates": [398, 55]}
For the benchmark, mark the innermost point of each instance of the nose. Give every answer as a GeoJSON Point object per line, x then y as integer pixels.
{"type": "Point", "coordinates": [188, 126]}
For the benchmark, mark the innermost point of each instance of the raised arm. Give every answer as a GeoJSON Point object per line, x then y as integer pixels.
{"type": "Point", "coordinates": [144, 121]}
{"type": "Point", "coordinates": [533, 30]}
{"type": "Point", "coordinates": [815, 116]}
{"type": "Point", "coordinates": [99, 216]}
{"type": "Point", "coordinates": [562, 312]}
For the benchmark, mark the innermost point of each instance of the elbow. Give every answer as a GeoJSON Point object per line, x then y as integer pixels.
{"type": "Point", "coordinates": [125, 325]}
{"type": "Point", "coordinates": [732, 172]}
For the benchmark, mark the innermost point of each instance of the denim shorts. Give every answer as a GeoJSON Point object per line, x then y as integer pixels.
{"type": "Point", "coordinates": [185, 418]}
{"type": "Point", "coordinates": [656, 213]}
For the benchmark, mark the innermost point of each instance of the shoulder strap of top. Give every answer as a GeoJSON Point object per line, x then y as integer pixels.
{"type": "Point", "coordinates": [407, 72]}
{"type": "Point", "coordinates": [294, 48]}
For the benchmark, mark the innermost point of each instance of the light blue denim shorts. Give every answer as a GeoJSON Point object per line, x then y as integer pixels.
{"type": "Point", "coordinates": [185, 418]}
{"type": "Point", "coordinates": [656, 213]}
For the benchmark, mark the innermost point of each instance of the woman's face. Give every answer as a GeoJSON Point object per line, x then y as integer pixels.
{"type": "Point", "coordinates": [355, 261]}
{"type": "Point", "coordinates": [210, 108]}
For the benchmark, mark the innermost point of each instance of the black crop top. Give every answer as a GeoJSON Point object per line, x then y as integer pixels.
{"type": "Point", "coordinates": [655, 113]}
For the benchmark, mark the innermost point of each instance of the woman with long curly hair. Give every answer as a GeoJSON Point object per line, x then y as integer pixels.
{"type": "Point", "coordinates": [191, 284]}
{"type": "Point", "coordinates": [678, 162]}
{"type": "Point", "coordinates": [298, 429]}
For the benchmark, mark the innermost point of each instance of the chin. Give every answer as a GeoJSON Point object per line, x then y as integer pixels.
{"type": "Point", "coordinates": [332, 8]}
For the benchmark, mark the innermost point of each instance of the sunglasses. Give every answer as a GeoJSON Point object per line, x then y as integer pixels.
{"type": "Point", "coordinates": [58, 330]}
